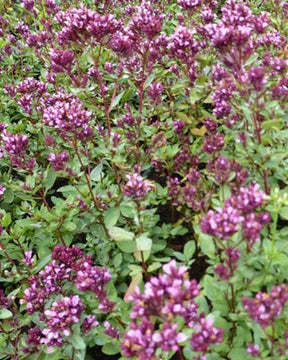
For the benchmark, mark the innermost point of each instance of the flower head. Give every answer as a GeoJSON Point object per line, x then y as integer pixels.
{"type": "Point", "coordinates": [136, 186]}
{"type": "Point", "coordinates": [266, 307]}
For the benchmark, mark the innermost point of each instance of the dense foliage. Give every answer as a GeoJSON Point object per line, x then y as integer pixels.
{"type": "Point", "coordinates": [143, 179]}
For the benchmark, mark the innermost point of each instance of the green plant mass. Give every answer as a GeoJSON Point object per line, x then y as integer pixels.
{"type": "Point", "coordinates": [143, 179]}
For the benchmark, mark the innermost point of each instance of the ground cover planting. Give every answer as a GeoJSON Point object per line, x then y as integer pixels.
{"type": "Point", "coordinates": [143, 179]}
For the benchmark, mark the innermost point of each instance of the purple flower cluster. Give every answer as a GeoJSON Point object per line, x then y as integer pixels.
{"type": "Point", "coordinates": [58, 161]}
{"type": "Point", "coordinates": [221, 96]}
{"type": "Point", "coordinates": [185, 159]}
{"type": "Point", "coordinates": [91, 278]}
{"type": "Point", "coordinates": [238, 213]}
{"type": "Point", "coordinates": [213, 143]}
{"type": "Point", "coordinates": [28, 4]}
{"type": "Point", "coordinates": [26, 92]}
{"type": "Point", "coordinates": [51, 6]}
{"type": "Point", "coordinates": [22, 28]}
{"type": "Point", "coordinates": [88, 323]}
{"type": "Point", "coordinates": [253, 224]}
{"type": "Point", "coordinates": [189, 4]}
{"type": "Point", "coordinates": [207, 15]}
{"type": "Point", "coordinates": [236, 28]}
{"type": "Point", "coordinates": [60, 318]}
{"type": "Point", "coordinates": [2, 191]}
{"type": "Point", "coordinates": [61, 60]}
{"type": "Point", "coordinates": [206, 335]}
{"type": "Point", "coordinates": [53, 275]}
{"type": "Point", "coordinates": [147, 22]}
{"type": "Point", "coordinates": [138, 340]}
{"type": "Point", "coordinates": [49, 280]}
{"type": "Point", "coordinates": [67, 255]}
{"type": "Point", "coordinates": [183, 46]}
{"type": "Point", "coordinates": [31, 86]}
{"type": "Point", "coordinates": [257, 77]}
{"type": "Point", "coordinates": [248, 199]}
{"type": "Point", "coordinates": [165, 298]}
{"type": "Point", "coordinates": [253, 350]}
{"type": "Point", "coordinates": [111, 330]}
{"type": "Point", "coordinates": [223, 223]}
{"type": "Point", "coordinates": [65, 113]}
{"type": "Point", "coordinates": [235, 37]}
{"type": "Point", "coordinates": [16, 146]}
{"type": "Point", "coordinates": [81, 25]}
{"type": "Point", "coordinates": [33, 340]}
{"type": "Point", "coordinates": [5, 301]}
{"type": "Point", "coordinates": [136, 186]}
{"type": "Point", "coordinates": [187, 194]}
{"type": "Point", "coordinates": [155, 91]}
{"type": "Point", "coordinates": [141, 40]}
{"type": "Point", "coordinates": [225, 271]}
{"type": "Point", "coordinates": [34, 296]}
{"type": "Point", "coordinates": [190, 191]}
{"type": "Point", "coordinates": [266, 307]}
{"type": "Point", "coordinates": [28, 259]}
{"type": "Point", "coordinates": [67, 266]}
{"type": "Point", "coordinates": [280, 91]}
{"type": "Point", "coordinates": [222, 168]}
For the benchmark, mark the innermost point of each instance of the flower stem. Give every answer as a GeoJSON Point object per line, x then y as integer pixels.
{"type": "Point", "coordinates": [90, 187]}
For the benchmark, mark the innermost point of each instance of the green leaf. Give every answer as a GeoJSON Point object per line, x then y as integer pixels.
{"type": "Point", "coordinates": [111, 291]}
{"type": "Point", "coordinates": [135, 282]}
{"type": "Point", "coordinates": [111, 349]}
{"type": "Point", "coordinates": [6, 220]}
{"type": "Point", "coordinates": [238, 354]}
{"type": "Point", "coordinates": [111, 217]}
{"type": "Point", "coordinates": [77, 342]}
{"type": "Point", "coordinates": [251, 59]}
{"type": "Point", "coordinates": [207, 245]}
{"type": "Point", "coordinates": [179, 255]}
{"type": "Point", "coordinates": [79, 345]}
{"type": "Point", "coordinates": [126, 246]}
{"type": "Point", "coordinates": [124, 239]}
{"type": "Point", "coordinates": [149, 80]}
{"type": "Point", "coordinates": [116, 100]}
{"type": "Point", "coordinates": [274, 124]}
{"type": "Point", "coordinates": [135, 269]}
{"type": "Point", "coordinates": [142, 255]}
{"type": "Point", "coordinates": [5, 314]}
{"type": "Point", "coordinates": [128, 210]}
{"type": "Point", "coordinates": [243, 335]}
{"type": "Point", "coordinates": [69, 226]}
{"type": "Point", "coordinates": [195, 97]}
{"type": "Point", "coordinates": [49, 181]}
{"type": "Point", "coordinates": [179, 230]}
{"type": "Point", "coordinates": [68, 189]}
{"type": "Point", "coordinates": [143, 243]}
{"type": "Point", "coordinates": [80, 354]}
{"type": "Point", "coordinates": [54, 354]}
{"type": "Point", "coordinates": [8, 196]}
{"type": "Point", "coordinates": [154, 266]}
{"type": "Point", "coordinates": [119, 234]}
{"type": "Point", "coordinates": [189, 249]}
{"type": "Point", "coordinates": [211, 289]}
{"type": "Point", "coordinates": [284, 213]}
{"type": "Point", "coordinates": [42, 263]}
{"type": "Point", "coordinates": [117, 261]}
{"type": "Point", "coordinates": [96, 173]}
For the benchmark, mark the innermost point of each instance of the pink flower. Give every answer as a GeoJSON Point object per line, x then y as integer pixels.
{"type": "Point", "coordinates": [136, 186]}
{"type": "Point", "coordinates": [28, 260]}
{"type": "Point", "coordinates": [2, 191]}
